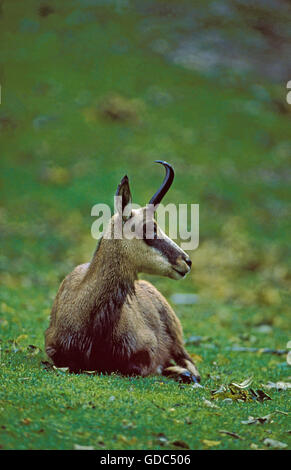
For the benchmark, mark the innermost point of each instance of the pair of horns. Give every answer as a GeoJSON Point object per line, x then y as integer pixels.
{"type": "Point", "coordinates": [166, 184]}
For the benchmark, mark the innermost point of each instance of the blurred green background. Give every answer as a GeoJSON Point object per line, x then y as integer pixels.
{"type": "Point", "coordinates": [95, 89]}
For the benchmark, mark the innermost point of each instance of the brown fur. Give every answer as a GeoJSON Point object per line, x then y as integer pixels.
{"type": "Point", "coordinates": [105, 319]}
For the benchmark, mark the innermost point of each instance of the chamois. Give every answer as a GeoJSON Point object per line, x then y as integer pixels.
{"type": "Point", "coordinates": [105, 319]}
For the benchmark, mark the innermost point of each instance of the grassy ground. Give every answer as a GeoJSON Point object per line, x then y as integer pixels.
{"type": "Point", "coordinates": [86, 99]}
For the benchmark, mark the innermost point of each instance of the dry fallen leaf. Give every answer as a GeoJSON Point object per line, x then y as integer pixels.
{"type": "Point", "coordinates": [100, 441]}
{"type": "Point", "coordinates": [181, 444]}
{"type": "Point", "coordinates": [196, 385]}
{"type": "Point", "coordinates": [259, 395]}
{"type": "Point", "coordinates": [161, 438]}
{"type": "Point", "coordinates": [278, 385]}
{"type": "Point", "coordinates": [243, 384]}
{"type": "Point", "coordinates": [78, 447]}
{"type": "Point", "coordinates": [238, 392]}
{"type": "Point", "coordinates": [209, 443]}
{"type": "Point", "coordinates": [258, 420]}
{"type": "Point", "coordinates": [26, 421]}
{"type": "Point", "coordinates": [125, 440]}
{"type": "Point", "coordinates": [274, 444]}
{"type": "Point", "coordinates": [209, 403]}
{"type": "Point", "coordinates": [230, 433]}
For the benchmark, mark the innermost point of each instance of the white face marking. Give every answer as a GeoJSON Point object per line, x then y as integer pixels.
{"type": "Point", "coordinates": [168, 260]}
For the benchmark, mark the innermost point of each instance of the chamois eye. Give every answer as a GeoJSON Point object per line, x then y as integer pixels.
{"type": "Point", "coordinates": [150, 231]}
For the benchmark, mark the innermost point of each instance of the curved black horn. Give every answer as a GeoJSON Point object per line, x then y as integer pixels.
{"type": "Point", "coordinates": [168, 180]}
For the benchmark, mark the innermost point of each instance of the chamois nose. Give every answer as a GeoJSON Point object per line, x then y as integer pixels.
{"type": "Point", "coordinates": [189, 262]}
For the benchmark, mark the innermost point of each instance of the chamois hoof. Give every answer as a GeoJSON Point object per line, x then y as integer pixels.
{"type": "Point", "coordinates": [187, 378]}
{"type": "Point", "coordinates": [182, 375]}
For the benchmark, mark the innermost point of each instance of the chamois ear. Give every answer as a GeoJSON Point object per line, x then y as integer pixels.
{"type": "Point", "coordinates": [124, 199]}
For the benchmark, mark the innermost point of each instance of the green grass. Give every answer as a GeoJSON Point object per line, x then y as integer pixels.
{"type": "Point", "coordinates": [60, 156]}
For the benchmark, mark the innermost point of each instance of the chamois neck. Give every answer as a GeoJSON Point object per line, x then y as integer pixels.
{"type": "Point", "coordinates": [110, 273]}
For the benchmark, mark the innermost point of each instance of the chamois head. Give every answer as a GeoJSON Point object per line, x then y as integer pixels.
{"type": "Point", "coordinates": [141, 242]}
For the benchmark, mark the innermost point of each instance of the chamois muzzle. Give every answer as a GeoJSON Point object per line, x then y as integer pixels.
{"type": "Point", "coordinates": [166, 184]}
{"type": "Point", "coordinates": [182, 266]}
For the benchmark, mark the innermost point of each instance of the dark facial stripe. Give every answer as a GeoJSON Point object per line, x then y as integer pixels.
{"type": "Point", "coordinates": [165, 248]}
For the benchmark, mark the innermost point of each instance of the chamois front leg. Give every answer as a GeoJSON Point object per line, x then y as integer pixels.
{"type": "Point", "coordinates": [185, 369]}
